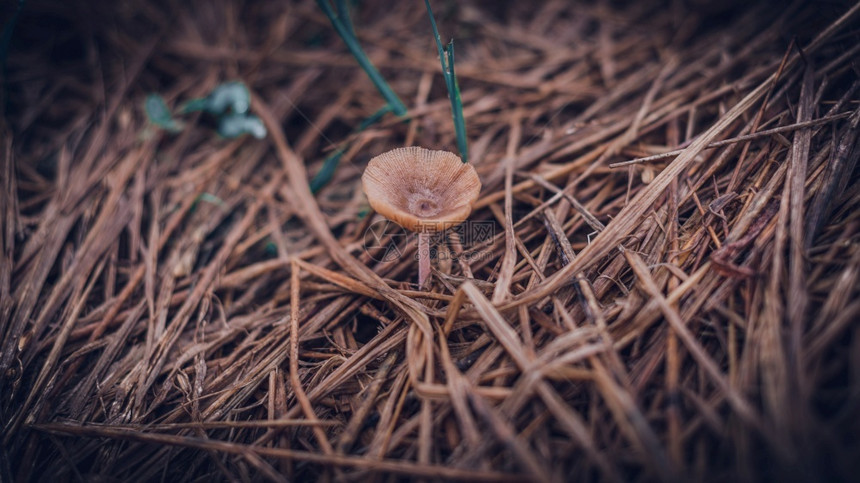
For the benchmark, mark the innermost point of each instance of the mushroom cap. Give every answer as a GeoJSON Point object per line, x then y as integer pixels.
{"type": "Point", "coordinates": [420, 189]}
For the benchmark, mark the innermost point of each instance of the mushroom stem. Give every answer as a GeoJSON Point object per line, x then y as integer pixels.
{"type": "Point", "coordinates": [423, 258]}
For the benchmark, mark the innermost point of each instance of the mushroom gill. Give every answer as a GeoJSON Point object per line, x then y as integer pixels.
{"type": "Point", "coordinates": [420, 189]}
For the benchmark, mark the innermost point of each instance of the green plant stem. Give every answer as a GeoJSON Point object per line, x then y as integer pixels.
{"type": "Point", "coordinates": [446, 57]}
{"type": "Point", "coordinates": [457, 108]}
{"type": "Point", "coordinates": [355, 49]}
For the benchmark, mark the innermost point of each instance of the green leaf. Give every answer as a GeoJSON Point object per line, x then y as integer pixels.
{"type": "Point", "coordinates": [194, 105]}
{"type": "Point", "coordinates": [229, 95]}
{"type": "Point", "coordinates": [158, 114]}
{"type": "Point", "coordinates": [235, 125]}
{"type": "Point", "coordinates": [327, 171]}
{"type": "Point", "coordinates": [208, 198]}
{"type": "Point", "coordinates": [271, 249]}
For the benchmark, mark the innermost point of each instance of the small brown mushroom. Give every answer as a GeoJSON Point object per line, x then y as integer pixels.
{"type": "Point", "coordinates": [423, 191]}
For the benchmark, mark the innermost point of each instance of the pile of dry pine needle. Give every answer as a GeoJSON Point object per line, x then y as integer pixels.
{"type": "Point", "coordinates": [686, 316]}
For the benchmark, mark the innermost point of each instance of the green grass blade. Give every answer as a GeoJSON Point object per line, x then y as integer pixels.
{"type": "Point", "coordinates": [355, 49]}
{"type": "Point", "coordinates": [373, 118]}
{"type": "Point", "coordinates": [446, 57]}
{"type": "Point", "coordinates": [438, 39]}
{"type": "Point", "coordinates": [343, 14]}
{"type": "Point", "coordinates": [327, 170]}
{"type": "Point", "coordinates": [457, 108]}
{"type": "Point", "coordinates": [331, 163]}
